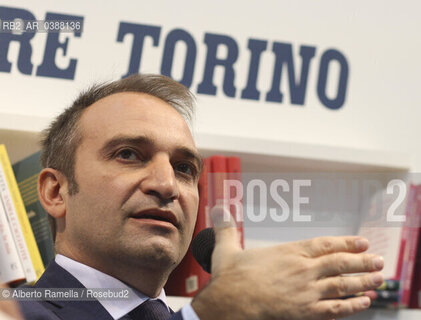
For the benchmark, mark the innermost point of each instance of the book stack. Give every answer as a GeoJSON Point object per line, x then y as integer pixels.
{"type": "Point", "coordinates": [189, 277]}
{"type": "Point", "coordinates": [20, 258]}
{"type": "Point", "coordinates": [386, 296]}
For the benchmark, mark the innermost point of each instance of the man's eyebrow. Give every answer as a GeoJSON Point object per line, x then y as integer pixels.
{"type": "Point", "coordinates": [120, 140]}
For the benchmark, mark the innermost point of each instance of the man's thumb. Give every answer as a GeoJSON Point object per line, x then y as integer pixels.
{"type": "Point", "coordinates": [227, 242]}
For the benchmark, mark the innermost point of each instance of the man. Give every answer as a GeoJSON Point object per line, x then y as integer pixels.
{"type": "Point", "coordinates": [120, 181]}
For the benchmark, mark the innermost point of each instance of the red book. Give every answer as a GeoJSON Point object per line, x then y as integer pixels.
{"type": "Point", "coordinates": [234, 173]}
{"type": "Point", "coordinates": [189, 277]}
{"type": "Point", "coordinates": [225, 168]}
{"type": "Point", "coordinates": [218, 170]}
{"type": "Point", "coordinates": [203, 217]}
{"type": "Point", "coordinates": [405, 230]}
{"type": "Point", "coordinates": [415, 295]}
{"type": "Point", "coordinates": [411, 248]}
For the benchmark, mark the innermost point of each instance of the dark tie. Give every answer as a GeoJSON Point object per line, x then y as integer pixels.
{"type": "Point", "coordinates": [150, 310]}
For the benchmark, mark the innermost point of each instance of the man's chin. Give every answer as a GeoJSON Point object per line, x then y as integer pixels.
{"type": "Point", "coordinates": [154, 245]}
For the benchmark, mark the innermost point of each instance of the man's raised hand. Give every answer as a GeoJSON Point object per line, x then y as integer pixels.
{"type": "Point", "coordinates": [297, 280]}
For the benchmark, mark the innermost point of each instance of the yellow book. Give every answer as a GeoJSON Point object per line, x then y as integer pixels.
{"type": "Point", "coordinates": [18, 219]}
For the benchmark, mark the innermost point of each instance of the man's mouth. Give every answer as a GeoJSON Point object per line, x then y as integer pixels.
{"type": "Point", "coordinates": [157, 215]}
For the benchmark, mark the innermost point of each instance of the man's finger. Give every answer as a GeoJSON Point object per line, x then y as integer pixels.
{"type": "Point", "coordinates": [326, 245]}
{"type": "Point", "coordinates": [340, 263]}
{"type": "Point", "coordinates": [336, 287]}
{"type": "Point", "coordinates": [340, 308]}
{"type": "Point", "coordinates": [227, 241]}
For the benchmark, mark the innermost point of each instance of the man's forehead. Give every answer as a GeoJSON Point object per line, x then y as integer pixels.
{"type": "Point", "coordinates": [134, 113]}
{"type": "Point", "coordinates": [142, 101]}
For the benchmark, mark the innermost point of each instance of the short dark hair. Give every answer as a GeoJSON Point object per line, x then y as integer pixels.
{"type": "Point", "coordinates": [61, 138]}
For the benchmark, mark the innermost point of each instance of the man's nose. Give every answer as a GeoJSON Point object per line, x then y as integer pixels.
{"type": "Point", "coordinates": [160, 180]}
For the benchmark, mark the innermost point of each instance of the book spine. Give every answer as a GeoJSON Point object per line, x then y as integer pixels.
{"type": "Point", "coordinates": [19, 222]}
{"type": "Point", "coordinates": [411, 248]}
{"type": "Point", "coordinates": [10, 266]}
{"type": "Point", "coordinates": [203, 217]}
{"type": "Point", "coordinates": [234, 173]}
{"type": "Point", "coordinates": [405, 232]}
{"type": "Point", "coordinates": [26, 173]}
{"type": "Point", "coordinates": [415, 295]}
{"type": "Point", "coordinates": [218, 170]}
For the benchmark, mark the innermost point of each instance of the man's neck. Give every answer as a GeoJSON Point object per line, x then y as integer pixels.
{"type": "Point", "coordinates": [147, 280]}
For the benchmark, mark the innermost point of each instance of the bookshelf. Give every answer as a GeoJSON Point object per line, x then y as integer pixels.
{"type": "Point", "coordinates": [21, 134]}
{"type": "Point", "coordinates": [380, 314]}
{"type": "Point", "coordinates": [176, 303]}
{"type": "Point", "coordinates": [280, 156]}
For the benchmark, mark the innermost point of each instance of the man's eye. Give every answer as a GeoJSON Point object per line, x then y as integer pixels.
{"type": "Point", "coordinates": [185, 168]}
{"type": "Point", "coordinates": [127, 154]}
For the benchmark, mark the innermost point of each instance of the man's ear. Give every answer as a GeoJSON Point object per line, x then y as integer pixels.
{"type": "Point", "coordinates": [52, 189]}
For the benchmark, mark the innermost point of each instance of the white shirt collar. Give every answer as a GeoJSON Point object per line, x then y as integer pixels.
{"type": "Point", "coordinates": [92, 278]}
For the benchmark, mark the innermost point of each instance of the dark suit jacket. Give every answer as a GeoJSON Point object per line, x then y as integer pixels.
{"type": "Point", "coordinates": [56, 277]}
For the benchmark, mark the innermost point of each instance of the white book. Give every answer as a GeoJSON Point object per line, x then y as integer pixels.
{"type": "Point", "coordinates": [16, 229]}
{"type": "Point", "coordinates": [10, 265]}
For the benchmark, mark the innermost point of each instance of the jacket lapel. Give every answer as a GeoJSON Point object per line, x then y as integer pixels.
{"type": "Point", "coordinates": [57, 277]}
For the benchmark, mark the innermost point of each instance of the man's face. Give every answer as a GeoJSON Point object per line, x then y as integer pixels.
{"type": "Point", "coordinates": [137, 170]}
